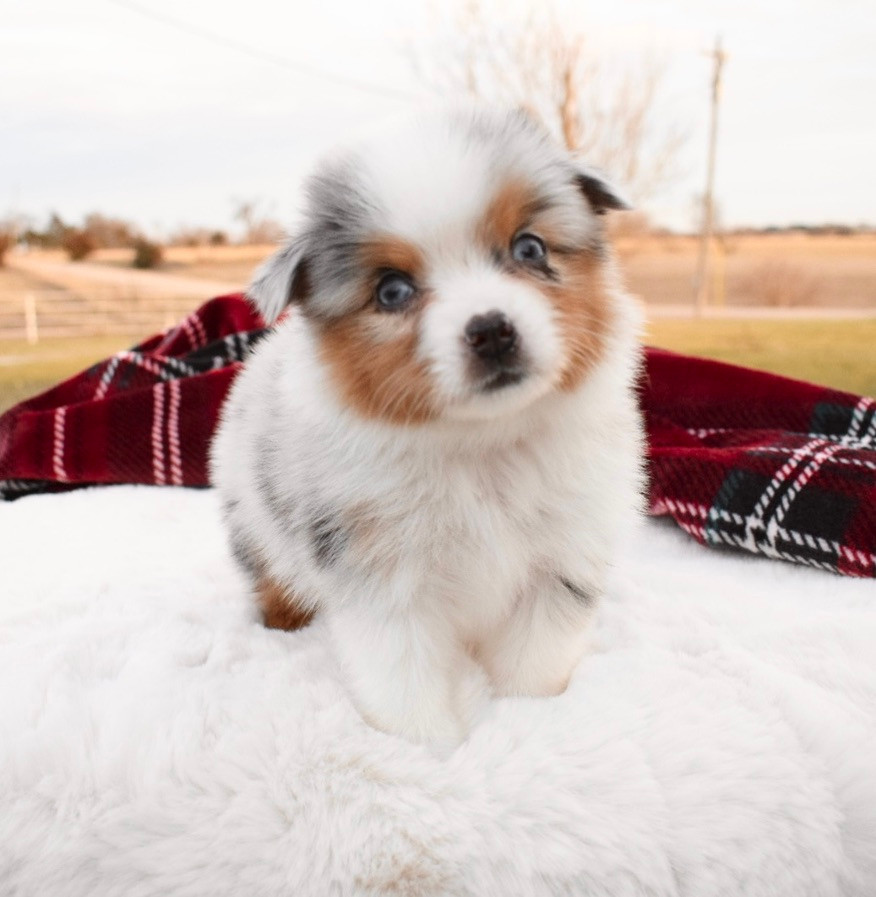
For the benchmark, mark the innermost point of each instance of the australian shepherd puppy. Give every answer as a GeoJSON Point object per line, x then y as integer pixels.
{"type": "Point", "coordinates": [437, 449]}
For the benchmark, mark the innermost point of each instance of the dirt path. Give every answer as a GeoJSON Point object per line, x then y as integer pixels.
{"type": "Point", "coordinates": [147, 283]}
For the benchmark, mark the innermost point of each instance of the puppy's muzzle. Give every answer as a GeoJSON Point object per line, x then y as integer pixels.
{"type": "Point", "coordinates": [491, 336]}
{"type": "Point", "coordinates": [493, 339]}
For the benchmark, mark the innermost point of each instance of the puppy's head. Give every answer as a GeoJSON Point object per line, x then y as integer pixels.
{"type": "Point", "coordinates": [452, 268]}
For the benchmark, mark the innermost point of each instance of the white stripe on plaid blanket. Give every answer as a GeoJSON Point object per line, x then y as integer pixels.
{"type": "Point", "coordinates": [235, 346]}
{"type": "Point", "coordinates": [699, 532]}
{"type": "Point", "coordinates": [817, 543]}
{"type": "Point", "coordinates": [157, 434]}
{"type": "Point", "coordinates": [834, 459]}
{"type": "Point", "coordinates": [195, 318]}
{"type": "Point", "coordinates": [173, 434]}
{"type": "Point", "coordinates": [189, 330]}
{"type": "Point", "coordinates": [755, 519]}
{"type": "Point", "coordinates": [858, 415]}
{"type": "Point", "coordinates": [870, 435]}
{"type": "Point", "coordinates": [58, 444]}
{"type": "Point", "coordinates": [108, 375]}
{"type": "Point", "coordinates": [180, 367]}
{"type": "Point", "coordinates": [804, 475]}
{"type": "Point", "coordinates": [145, 363]}
{"type": "Point", "coordinates": [773, 552]}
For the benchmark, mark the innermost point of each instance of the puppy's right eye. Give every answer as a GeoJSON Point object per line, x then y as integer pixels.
{"type": "Point", "coordinates": [394, 291]}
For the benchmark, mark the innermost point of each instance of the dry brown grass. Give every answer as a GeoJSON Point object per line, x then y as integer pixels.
{"type": "Point", "coordinates": [15, 284]}
{"type": "Point", "coordinates": [769, 269]}
{"type": "Point", "coordinates": [774, 269]}
{"type": "Point", "coordinates": [225, 263]}
{"type": "Point", "coordinates": [783, 285]}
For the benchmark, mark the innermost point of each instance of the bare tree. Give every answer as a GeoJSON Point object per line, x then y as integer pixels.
{"type": "Point", "coordinates": [258, 228]}
{"type": "Point", "coordinates": [7, 240]}
{"type": "Point", "coordinates": [11, 229]}
{"type": "Point", "coordinates": [109, 232]}
{"type": "Point", "coordinates": [606, 112]}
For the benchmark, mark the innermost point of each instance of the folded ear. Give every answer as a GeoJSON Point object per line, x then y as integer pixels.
{"type": "Point", "coordinates": [601, 193]}
{"type": "Point", "coordinates": [279, 281]}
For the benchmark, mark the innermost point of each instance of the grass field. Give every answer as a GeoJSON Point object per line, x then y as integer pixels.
{"type": "Point", "coordinates": [841, 354]}
{"type": "Point", "coordinates": [27, 370]}
{"type": "Point", "coordinates": [837, 353]}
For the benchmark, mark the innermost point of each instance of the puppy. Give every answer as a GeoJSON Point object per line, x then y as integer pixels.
{"type": "Point", "coordinates": [438, 448]}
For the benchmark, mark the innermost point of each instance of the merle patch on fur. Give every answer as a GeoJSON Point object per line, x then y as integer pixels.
{"type": "Point", "coordinates": [329, 539]}
{"type": "Point", "coordinates": [244, 555]}
{"type": "Point", "coordinates": [577, 591]}
{"type": "Point", "coordinates": [279, 506]}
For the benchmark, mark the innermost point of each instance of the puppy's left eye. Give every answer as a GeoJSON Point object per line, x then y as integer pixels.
{"type": "Point", "coordinates": [394, 291]}
{"type": "Point", "coordinates": [528, 248]}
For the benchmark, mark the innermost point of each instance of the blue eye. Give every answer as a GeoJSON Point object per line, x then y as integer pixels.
{"type": "Point", "coordinates": [394, 291]}
{"type": "Point", "coordinates": [528, 248]}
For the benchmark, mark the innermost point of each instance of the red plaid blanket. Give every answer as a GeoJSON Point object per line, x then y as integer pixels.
{"type": "Point", "coordinates": [738, 458]}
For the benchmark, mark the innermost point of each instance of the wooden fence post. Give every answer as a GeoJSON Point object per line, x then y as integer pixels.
{"type": "Point", "coordinates": [31, 329]}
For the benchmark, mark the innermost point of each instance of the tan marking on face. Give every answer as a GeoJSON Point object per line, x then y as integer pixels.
{"type": "Point", "coordinates": [585, 310]}
{"type": "Point", "coordinates": [378, 375]}
{"type": "Point", "coordinates": [511, 208]}
{"type": "Point", "coordinates": [387, 252]}
{"type": "Point", "coordinates": [280, 608]}
{"type": "Point", "coordinates": [582, 302]}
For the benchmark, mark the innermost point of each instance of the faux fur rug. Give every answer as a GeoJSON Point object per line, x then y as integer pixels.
{"type": "Point", "coordinates": [156, 740]}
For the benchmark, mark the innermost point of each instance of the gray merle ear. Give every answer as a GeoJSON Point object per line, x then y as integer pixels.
{"type": "Point", "coordinates": [280, 281]}
{"type": "Point", "coordinates": [601, 193]}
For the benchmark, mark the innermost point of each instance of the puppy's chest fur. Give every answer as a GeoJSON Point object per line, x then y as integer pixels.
{"type": "Point", "coordinates": [340, 510]}
{"type": "Point", "coordinates": [470, 536]}
{"type": "Point", "coordinates": [459, 532]}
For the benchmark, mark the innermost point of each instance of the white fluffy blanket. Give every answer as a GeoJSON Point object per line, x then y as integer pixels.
{"type": "Point", "coordinates": [156, 740]}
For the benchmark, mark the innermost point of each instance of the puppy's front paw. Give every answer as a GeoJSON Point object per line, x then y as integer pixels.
{"type": "Point", "coordinates": [439, 729]}
{"type": "Point", "coordinates": [408, 676]}
{"type": "Point", "coordinates": [441, 716]}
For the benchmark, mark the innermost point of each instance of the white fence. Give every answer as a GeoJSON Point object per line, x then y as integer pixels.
{"type": "Point", "coordinates": [34, 315]}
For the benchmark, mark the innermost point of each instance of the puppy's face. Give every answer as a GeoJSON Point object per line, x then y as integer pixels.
{"type": "Point", "coordinates": [452, 269]}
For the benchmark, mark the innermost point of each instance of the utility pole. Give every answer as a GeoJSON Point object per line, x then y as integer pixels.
{"type": "Point", "coordinates": [719, 57]}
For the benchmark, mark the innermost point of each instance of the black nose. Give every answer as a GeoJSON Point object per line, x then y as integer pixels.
{"type": "Point", "coordinates": [491, 335]}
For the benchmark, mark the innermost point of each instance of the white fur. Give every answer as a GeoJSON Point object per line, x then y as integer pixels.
{"type": "Point", "coordinates": [157, 740]}
{"type": "Point", "coordinates": [484, 513]}
{"type": "Point", "coordinates": [496, 503]}
{"type": "Point", "coordinates": [476, 290]}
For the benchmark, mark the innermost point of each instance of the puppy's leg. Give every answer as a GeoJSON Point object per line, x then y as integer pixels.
{"type": "Point", "coordinates": [539, 645]}
{"type": "Point", "coordinates": [408, 674]}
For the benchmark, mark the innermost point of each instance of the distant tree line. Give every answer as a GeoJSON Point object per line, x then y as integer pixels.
{"type": "Point", "coordinates": [99, 231]}
{"type": "Point", "coordinates": [818, 230]}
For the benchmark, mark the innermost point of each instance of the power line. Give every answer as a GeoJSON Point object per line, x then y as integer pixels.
{"type": "Point", "coordinates": [262, 56]}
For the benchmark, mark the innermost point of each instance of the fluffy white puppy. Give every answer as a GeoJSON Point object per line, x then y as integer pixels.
{"type": "Point", "coordinates": [438, 448]}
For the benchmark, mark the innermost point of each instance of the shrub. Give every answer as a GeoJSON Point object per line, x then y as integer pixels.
{"type": "Point", "coordinates": [109, 232]}
{"type": "Point", "coordinates": [147, 254]}
{"type": "Point", "coordinates": [6, 241]}
{"type": "Point", "coordinates": [78, 244]}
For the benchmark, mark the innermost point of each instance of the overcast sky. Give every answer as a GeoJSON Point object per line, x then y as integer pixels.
{"type": "Point", "coordinates": [104, 108]}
